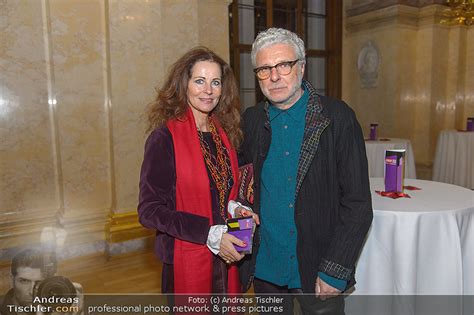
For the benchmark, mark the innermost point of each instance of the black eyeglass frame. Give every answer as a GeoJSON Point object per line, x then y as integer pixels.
{"type": "Point", "coordinates": [290, 63]}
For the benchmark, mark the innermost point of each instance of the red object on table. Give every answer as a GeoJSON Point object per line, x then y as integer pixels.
{"type": "Point", "coordinates": [411, 188]}
{"type": "Point", "coordinates": [392, 194]}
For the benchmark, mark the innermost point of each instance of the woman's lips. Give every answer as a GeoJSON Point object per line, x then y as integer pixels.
{"type": "Point", "coordinates": [206, 100]}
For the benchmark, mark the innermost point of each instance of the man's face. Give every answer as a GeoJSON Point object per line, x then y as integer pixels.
{"type": "Point", "coordinates": [282, 90]}
{"type": "Point", "coordinates": [24, 282]}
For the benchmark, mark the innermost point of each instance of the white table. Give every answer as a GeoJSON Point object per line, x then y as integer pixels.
{"type": "Point", "coordinates": [376, 156]}
{"type": "Point", "coordinates": [419, 245]}
{"type": "Point", "coordinates": [454, 158]}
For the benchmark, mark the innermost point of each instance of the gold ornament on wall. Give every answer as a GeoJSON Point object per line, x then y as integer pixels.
{"type": "Point", "coordinates": [460, 12]}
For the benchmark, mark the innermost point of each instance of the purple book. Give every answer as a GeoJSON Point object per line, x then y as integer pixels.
{"type": "Point", "coordinates": [394, 170]}
{"type": "Point", "coordinates": [242, 228]}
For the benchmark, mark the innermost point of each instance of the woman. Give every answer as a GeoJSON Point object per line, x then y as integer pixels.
{"type": "Point", "coordinates": [188, 175]}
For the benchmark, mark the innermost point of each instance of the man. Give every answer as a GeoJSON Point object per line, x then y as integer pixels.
{"type": "Point", "coordinates": [311, 182]}
{"type": "Point", "coordinates": [28, 270]}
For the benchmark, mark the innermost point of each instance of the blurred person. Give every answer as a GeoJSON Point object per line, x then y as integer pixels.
{"type": "Point", "coordinates": [189, 173]}
{"type": "Point", "coordinates": [28, 270]}
{"type": "Point", "coordinates": [311, 183]}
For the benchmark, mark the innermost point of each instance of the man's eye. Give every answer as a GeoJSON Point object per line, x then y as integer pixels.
{"type": "Point", "coordinates": [283, 65]}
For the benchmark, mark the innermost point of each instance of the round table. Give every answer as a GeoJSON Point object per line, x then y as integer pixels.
{"type": "Point", "coordinates": [419, 245]}
{"type": "Point", "coordinates": [454, 158]}
{"type": "Point", "coordinates": [376, 155]}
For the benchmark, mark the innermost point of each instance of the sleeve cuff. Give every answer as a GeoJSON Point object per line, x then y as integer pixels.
{"type": "Point", "coordinates": [333, 282]}
{"type": "Point", "coordinates": [335, 270]}
{"type": "Point", "coordinates": [234, 205]}
{"type": "Point", "coordinates": [214, 238]}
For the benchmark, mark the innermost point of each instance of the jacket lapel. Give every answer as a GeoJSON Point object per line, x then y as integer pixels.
{"type": "Point", "coordinates": [315, 124]}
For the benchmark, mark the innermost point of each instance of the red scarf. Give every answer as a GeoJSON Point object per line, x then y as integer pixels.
{"type": "Point", "coordinates": [193, 262]}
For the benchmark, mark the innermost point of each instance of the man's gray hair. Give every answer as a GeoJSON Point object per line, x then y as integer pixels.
{"type": "Point", "coordinates": [274, 36]}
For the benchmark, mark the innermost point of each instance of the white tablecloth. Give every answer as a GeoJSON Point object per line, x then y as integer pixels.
{"type": "Point", "coordinates": [376, 156]}
{"type": "Point", "coordinates": [454, 158]}
{"type": "Point", "coordinates": [419, 245]}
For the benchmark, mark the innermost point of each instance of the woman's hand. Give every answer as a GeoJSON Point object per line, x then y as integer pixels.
{"type": "Point", "coordinates": [242, 212]}
{"type": "Point", "coordinates": [227, 251]}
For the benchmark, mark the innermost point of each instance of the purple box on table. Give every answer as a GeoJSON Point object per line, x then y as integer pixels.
{"type": "Point", "coordinates": [242, 228]}
{"type": "Point", "coordinates": [470, 124]}
{"type": "Point", "coordinates": [373, 131]}
{"type": "Point", "coordinates": [394, 170]}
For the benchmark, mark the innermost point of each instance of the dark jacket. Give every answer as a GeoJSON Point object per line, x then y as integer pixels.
{"type": "Point", "coordinates": [8, 299]}
{"type": "Point", "coordinates": [333, 209]}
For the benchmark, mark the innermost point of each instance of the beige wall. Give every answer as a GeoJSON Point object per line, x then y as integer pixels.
{"type": "Point", "coordinates": [425, 78]}
{"type": "Point", "coordinates": [75, 78]}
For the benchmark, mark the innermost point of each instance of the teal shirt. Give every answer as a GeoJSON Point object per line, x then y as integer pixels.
{"type": "Point", "coordinates": [278, 185]}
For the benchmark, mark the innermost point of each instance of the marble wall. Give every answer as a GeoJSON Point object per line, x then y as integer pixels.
{"type": "Point", "coordinates": [75, 78]}
{"type": "Point", "coordinates": [425, 72]}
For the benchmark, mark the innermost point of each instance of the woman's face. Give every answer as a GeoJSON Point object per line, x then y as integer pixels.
{"type": "Point", "coordinates": [204, 87]}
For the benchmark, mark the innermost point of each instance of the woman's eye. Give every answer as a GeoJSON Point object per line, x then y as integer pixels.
{"type": "Point", "coordinates": [216, 83]}
{"type": "Point", "coordinates": [199, 81]}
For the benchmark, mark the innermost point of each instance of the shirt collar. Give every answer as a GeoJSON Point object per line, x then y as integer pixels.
{"type": "Point", "coordinates": [296, 112]}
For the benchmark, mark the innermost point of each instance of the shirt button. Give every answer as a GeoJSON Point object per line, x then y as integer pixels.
{"type": "Point", "coordinates": [292, 257]}
{"type": "Point", "coordinates": [287, 153]}
{"type": "Point", "coordinates": [292, 232]}
{"type": "Point", "coordinates": [289, 179]}
{"type": "Point", "coordinates": [290, 205]}
{"type": "Point", "coordinates": [285, 126]}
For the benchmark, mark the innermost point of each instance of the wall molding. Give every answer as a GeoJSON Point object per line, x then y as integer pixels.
{"type": "Point", "coordinates": [377, 5]}
{"type": "Point", "coordinates": [402, 15]}
{"type": "Point", "coordinates": [122, 227]}
{"type": "Point", "coordinates": [88, 231]}
{"type": "Point", "coordinates": [21, 228]}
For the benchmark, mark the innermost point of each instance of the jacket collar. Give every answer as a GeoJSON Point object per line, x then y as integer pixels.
{"type": "Point", "coordinates": [315, 124]}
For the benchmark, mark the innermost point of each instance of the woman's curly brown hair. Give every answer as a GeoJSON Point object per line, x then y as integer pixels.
{"type": "Point", "coordinates": [172, 103]}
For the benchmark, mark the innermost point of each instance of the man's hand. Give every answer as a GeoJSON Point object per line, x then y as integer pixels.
{"type": "Point", "coordinates": [242, 212]}
{"type": "Point", "coordinates": [325, 291]}
{"type": "Point", "coordinates": [227, 251]}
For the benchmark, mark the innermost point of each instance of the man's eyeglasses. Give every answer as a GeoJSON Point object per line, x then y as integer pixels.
{"type": "Point", "coordinates": [283, 68]}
